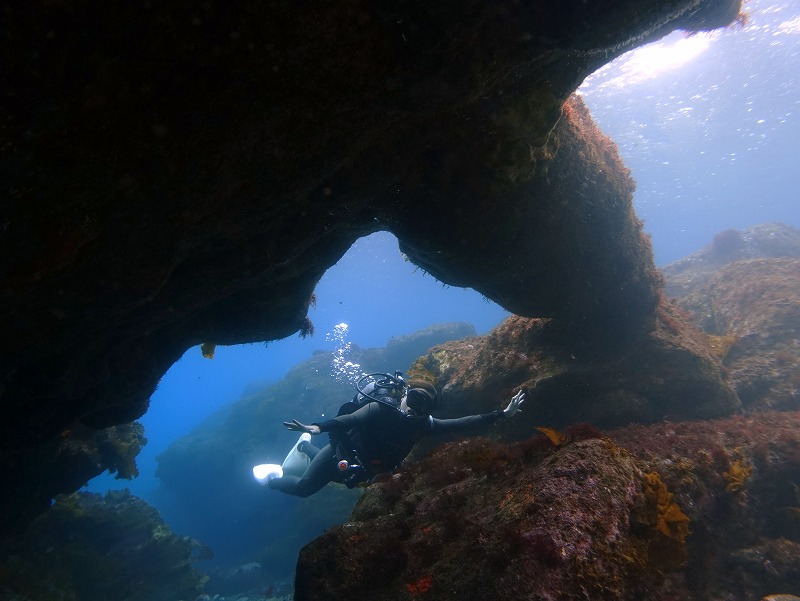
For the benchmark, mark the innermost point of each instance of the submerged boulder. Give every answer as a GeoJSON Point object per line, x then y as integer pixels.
{"type": "Point", "coordinates": [701, 509]}
{"type": "Point", "coordinates": [478, 520]}
{"type": "Point", "coordinates": [666, 371]}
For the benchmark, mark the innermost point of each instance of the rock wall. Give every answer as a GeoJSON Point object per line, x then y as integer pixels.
{"type": "Point", "coordinates": [184, 172]}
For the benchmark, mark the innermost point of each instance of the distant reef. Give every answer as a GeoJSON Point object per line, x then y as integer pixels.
{"type": "Point", "coordinates": [743, 292]}
{"type": "Point", "coordinates": [104, 548]}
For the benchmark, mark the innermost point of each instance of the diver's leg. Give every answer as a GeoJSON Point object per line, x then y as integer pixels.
{"type": "Point", "coordinates": [321, 471]}
{"type": "Point", "coordinates": [308, 449]}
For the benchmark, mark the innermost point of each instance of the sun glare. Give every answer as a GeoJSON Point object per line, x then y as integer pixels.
{"type": "Point", "coordinates": [651, 61]}
{"type": "Point", "coordinates": [655, 59]}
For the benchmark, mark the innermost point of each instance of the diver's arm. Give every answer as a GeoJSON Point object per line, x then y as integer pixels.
{"type": "Point", "coordinates": [351, 420]}
{"type": "Point", "coordinates": [443, 426]}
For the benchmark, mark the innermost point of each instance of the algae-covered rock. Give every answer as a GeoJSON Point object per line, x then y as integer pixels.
{"type": "Point", "coordinates": [703, 509]}
{"type": "Point", "coordinates": [736, 480]}
{"type": "Point", "coordinates": [478, 520]}
{"type": "Point", "coordinates": [749, 306]}
{"type": "Point", "coordinates": [112, 548]}
{"type": "Point", "coordinates": [756, 305]}
{"type": "Point", "coordinates": [667, 370]}
{"type": "Point", "coordinates": [72, 459]}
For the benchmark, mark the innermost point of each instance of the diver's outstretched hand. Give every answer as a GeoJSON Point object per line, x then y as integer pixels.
{"type": "Point", "coordinates": [296, 426]}
{"type": "Point", "coordinates": [513, 406]}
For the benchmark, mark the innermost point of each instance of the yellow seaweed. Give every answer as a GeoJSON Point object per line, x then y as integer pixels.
{"type": "Point", "coordinates": [667, 516]}
{"type": "Point", "coordinates": [737, 476]}
{"type": "Point", "coordinates": [556, 437]}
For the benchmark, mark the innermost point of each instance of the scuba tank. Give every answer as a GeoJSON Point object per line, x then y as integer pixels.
{"type": "Point", "coordinates": [383, 388]}
{"type": "Point", "coordinates": [376, 387]}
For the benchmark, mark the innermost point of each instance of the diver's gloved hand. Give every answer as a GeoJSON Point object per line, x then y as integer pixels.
{"type": "Point", "coordinates": [296, 426]}
{"type": "Point", "coordinates": [513, 406]}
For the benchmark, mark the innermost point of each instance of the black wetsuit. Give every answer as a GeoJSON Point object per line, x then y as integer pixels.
{"type": "Point", "coordinates": [381, 435]}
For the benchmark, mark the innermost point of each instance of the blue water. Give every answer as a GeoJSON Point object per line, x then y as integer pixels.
{"type": "Point", "coordinates": [711, 143]}
{"type": "Point", "coordinates": [372, 289]}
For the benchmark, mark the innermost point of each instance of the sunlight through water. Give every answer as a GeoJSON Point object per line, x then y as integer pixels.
{"type": "Point", "coordinates": [656, 59]}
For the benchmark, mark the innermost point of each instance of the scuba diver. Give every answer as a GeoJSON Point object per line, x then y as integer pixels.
{"type": "Point", "coordinates": [371, 435]}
